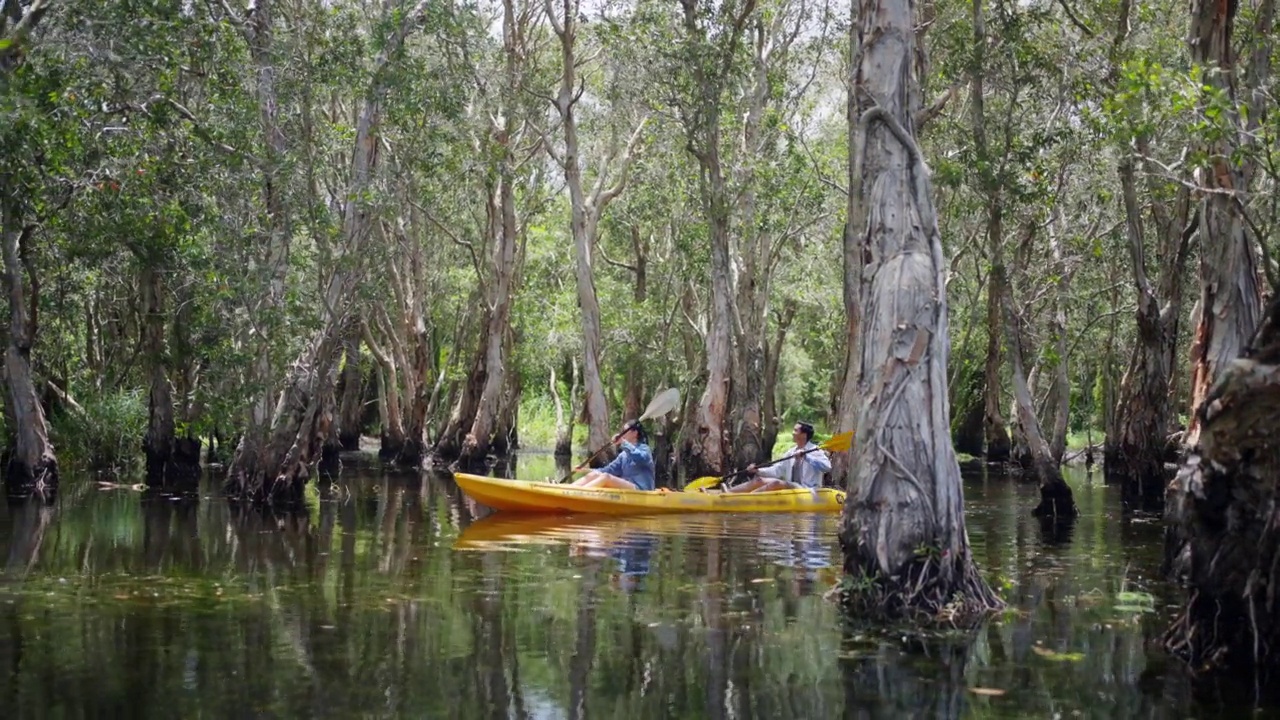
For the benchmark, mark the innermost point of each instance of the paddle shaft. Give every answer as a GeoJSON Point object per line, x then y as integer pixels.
{"type": "Point", "coordinates": [793, 456]}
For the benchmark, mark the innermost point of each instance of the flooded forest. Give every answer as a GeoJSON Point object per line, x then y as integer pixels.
{"type": "Point", "coordinates": [276, 270]}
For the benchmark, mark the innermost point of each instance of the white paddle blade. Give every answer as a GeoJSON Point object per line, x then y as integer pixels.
{"type": "Point", "coordinates": [662, 403]}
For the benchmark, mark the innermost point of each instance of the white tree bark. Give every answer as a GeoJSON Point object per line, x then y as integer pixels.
{"type": "Point", "coordinates": [905, 492]}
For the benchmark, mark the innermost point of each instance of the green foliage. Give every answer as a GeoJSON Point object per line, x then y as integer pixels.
{"type": "Point", "coordinates": [107, 437]}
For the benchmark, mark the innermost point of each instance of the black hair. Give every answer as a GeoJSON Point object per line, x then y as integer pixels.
{"type": "Point", "coordinates": [641, 435]}
{"type": "Point", "coordinates": [805, 428]}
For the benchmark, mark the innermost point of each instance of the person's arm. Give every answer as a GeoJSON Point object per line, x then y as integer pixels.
{"type": "Point", "coordinates": [780, 470]}
{"type": "Point", "coordinates": [620, 463]}
{"type": "Point", "coordinates": [820, 460]}
{"type": "Point", "coordinates": [773, 471]}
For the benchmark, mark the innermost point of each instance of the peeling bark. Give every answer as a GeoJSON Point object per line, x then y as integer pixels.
{"type": "Point", "coordinates": [905, 493]}
{"type": "Point", "coordinates": [29, 462]}
{"type": "Point", "coordinates": [1225, 541]}
{"type": "Point", "coordinates": [1230, 298]}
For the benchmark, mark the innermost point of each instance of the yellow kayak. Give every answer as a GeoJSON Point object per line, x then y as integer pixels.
{"type": "Point", "coordinates": [543, 497]}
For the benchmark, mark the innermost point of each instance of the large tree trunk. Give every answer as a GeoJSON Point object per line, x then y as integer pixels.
{"type": "Point", "coordinates": [996, 435]}
{"type": "Point", "coordinates": [1229, 294]}
{"type": "Point", "coordinates": [29, 463]}
{"type": "Point", "coordinates": [752, 271]}
{"type": "Point", "coordinates": [705, 444]}
{"type": "Point", "coordinates": [272, 264]}
{"type": "Point", "coordinates": [1221, 504]}
{"type": "Point", "coordinates": [905, 493]}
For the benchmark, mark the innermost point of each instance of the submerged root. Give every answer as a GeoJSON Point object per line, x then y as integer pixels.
{"type": "Point", "coordinates": [925, 591]}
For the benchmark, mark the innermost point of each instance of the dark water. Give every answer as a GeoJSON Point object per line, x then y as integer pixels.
{"type": "Point", "coordinates": [390, 598]}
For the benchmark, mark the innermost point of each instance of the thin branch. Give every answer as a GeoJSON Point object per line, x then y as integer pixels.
{"type": "Point", "coordinates": [926, 114]}
{"type": "Point", "coordinates": [604, 197]}
{"type": "Point", "coordinates": [203, 133]}
{"type": "Point", "coordinates": [1075, 20]}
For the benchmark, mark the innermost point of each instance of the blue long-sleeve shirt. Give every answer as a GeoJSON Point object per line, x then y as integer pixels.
{"type": "Point", "coordinates": [634, 464]}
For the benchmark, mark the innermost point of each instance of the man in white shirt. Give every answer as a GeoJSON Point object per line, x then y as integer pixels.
{"type": "Point", "coordinates": [792, 470]}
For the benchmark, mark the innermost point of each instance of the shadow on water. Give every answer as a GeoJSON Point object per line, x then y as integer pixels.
{"type": "Point", "coordinates": [393, 595]}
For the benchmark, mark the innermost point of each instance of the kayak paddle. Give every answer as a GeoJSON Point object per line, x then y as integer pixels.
{"type": "Point", "coordinates": [837, 443]}
{"type": "Point", "coordinates": [661, 404]}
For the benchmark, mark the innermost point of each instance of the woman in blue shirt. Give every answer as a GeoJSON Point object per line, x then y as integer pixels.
{"type": "Point", "coordinates": [632, 469]}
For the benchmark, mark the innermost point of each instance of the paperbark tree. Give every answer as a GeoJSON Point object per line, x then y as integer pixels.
{"type": "Point", "coordinates": [29, 462]}
{"type": "Point", "coordinates": [276, 464]}
{"type": "Point", "coordinates": [1230, 299]}
{"type": "Point", "coordinates": [585, 211]}
{"type": "Point", "coordinates": [903, 532]}
{"type": "Point", "coordinates": [994, 430]}
{"type": "Point", "coordinates": [1222, 503]}
{"type": "Point", "coordinates": [505, 232]}
{"type": "Point", "coordinates": [1145, 413]}
{"type": "Point", "coordinates": [711, 44]}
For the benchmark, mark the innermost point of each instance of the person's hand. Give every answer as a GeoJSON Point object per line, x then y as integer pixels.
{"type": "Point", "coordinates": [752, 469]}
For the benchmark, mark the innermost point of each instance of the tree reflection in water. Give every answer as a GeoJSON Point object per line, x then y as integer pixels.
{"type": "Point", "coordinates": [393, 596]}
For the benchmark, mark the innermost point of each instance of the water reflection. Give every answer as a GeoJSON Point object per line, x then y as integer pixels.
{"type": "Point", "coordinates": [395, 596]}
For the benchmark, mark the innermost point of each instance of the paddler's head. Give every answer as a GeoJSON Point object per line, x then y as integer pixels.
{"type": "Point", "coordinates": [633, 432]}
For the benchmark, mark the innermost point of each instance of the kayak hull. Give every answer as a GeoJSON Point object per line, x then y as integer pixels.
{"type": "Point", "coordinates": [541, 497]}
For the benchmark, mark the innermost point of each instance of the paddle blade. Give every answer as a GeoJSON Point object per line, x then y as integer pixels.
{"type": "Point", "coordinates": [662, 403]}
{"type": "Point", "coordinates": [839, 443]}
{"type": "Point", "coordinates": [702, 483]}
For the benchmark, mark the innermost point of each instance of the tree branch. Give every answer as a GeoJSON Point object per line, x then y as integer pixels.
{"type": "Point", "coordinates": [26, 23]}
{"type": "Point", "coordinates": [1075, 20]}
{"type": "Point", "coordinates": [925, 114]}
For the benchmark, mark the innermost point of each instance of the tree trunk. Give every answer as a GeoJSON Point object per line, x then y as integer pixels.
{"type": "Point", "coordinates": [705, 438]}
{"type": "Point", "coordinates": [351, 404]}
{"type": "Point", "coordinates": [481, 435]}
{"type": "Point", "coordinates": [597, 412]}
{"type": "Point", "coordinates": [1145, 411]}
{"type": "Point", "coordinates": [392, 438]}
{"type": "Point", "coordinates": [1221, 505]}
{"type": "Point", "coordinates": [275, 465]}
{"type": "Point", "coordinates": [29, 463]}
{"type": "Point", "coordinates": [1060, 391]}
{"type": "Point", "coordinates": [903, 531]}
{"type": "Point", "coordinates": [585, 213]}
{"type": "Point", "coordinates": [851, 270]}
{"type": "Point", "coordinates": [1056, 500]}
{"type": "Point", "coordinates": [159, 444]}
{"type": "Point", "coordinates": [564, 421]}
{"type": "Point", "coordinates": [996, 435]}
{"type": "Point", "coordinates": [506, 433]}
{"type": "Point", "coordinates": [1229, 293]}
{"type": "Point", "coordinates": [449, 444]}
{"type": "Point", "coordinates": [773, 357]}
